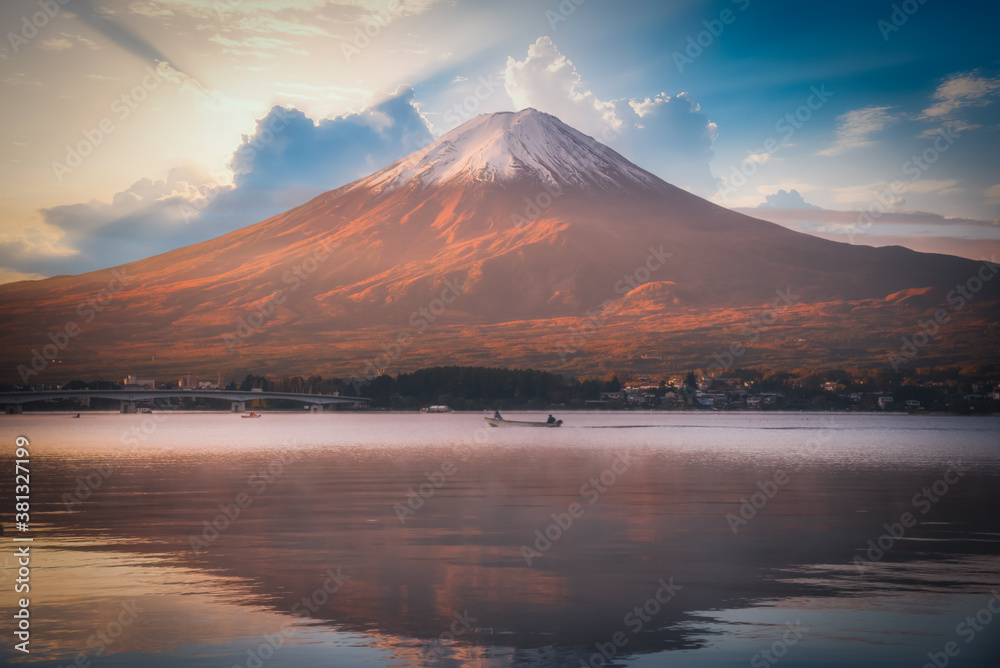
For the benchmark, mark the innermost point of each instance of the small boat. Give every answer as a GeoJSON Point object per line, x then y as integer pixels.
{"type": "Point", "coordinates": [75, 416]}
{"type": "Point", "coordinates": [501, 422]}
{"type": "Point", "coordinates": [250, 415]}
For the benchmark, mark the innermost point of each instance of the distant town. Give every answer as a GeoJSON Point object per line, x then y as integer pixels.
{"type": "Point", "coordinates": [970, 390]}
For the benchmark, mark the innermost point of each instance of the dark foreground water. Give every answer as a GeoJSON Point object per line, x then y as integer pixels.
{"type": "Point", "coordinates": [412, 540]}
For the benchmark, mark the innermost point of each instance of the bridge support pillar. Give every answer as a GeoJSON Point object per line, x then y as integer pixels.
{"type": "Point", "coordinates": [316, 408]}
{"type": "Point", "coordinates": [239, 406]}
{"type": "Point", "coordinates": [128, 407]}
{"type": "Point", "coordinates": [14, 409]}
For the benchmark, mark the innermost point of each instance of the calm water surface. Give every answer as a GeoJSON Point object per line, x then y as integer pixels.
{"type": "Point", "coordinates": [429, 540]}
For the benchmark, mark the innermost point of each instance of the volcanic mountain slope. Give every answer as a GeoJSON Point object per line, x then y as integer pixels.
{"type": "Point", "coordinates": [513, 222]}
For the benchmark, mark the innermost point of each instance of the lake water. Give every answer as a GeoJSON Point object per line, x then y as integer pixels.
{"type": "Point", "coordinates": [345, 539]}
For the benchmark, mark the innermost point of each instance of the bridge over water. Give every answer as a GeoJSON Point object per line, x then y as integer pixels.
{"type": "Point", "coordinates": [14, 401]}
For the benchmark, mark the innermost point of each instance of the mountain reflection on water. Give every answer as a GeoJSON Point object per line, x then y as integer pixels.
{"type": "Point", "coordinates": [422, 528]}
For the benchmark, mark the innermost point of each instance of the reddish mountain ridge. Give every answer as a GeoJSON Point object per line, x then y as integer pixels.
{"type": "Point", "coordinates": [498, 237]}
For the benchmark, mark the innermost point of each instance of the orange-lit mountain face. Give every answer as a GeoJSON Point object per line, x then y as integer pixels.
{"type": "Point", "coordinates": [513, 239]}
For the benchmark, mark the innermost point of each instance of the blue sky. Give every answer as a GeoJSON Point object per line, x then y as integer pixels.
{"type": "Point", "coordinates": [200, 117]}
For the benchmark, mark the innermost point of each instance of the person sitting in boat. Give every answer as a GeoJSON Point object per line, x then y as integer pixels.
{"type": "Point", "coordinates": [551, 420]}
{"type": "Point", "coordinates": [497, 416]}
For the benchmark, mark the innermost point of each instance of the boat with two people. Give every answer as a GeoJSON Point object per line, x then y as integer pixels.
{"type": "Point", "coordinates": [499, 421]}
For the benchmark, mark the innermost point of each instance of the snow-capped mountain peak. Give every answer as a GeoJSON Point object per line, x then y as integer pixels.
{"type": "Point", "coordinates": [508, 146]}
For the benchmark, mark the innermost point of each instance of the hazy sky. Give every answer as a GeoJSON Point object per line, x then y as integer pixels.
{"type": "Point", "coordinates": [131, 127]}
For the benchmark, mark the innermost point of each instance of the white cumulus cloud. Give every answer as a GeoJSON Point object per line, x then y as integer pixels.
{"type": "Point", "coordinates": [668, 135]}
{"type": "Point", "coordinates": [548, 81]}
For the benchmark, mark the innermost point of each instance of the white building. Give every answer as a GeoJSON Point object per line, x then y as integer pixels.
{"type": "Point", "coordinates": [131, 382]}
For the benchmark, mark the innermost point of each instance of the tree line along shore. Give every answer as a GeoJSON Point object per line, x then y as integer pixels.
{"type": "Point", "coordinates": [971, 389]}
